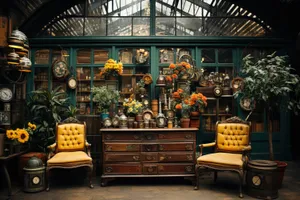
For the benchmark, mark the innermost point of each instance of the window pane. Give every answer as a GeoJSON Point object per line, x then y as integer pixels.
{"type": "Point", "coordinates": [166, 55]}
{"type": "Point", "coordinates": [141, 26]}
{"type": "Point", "coordinates": [41, 78]}
{"type": "Point", "coordinates": [68, 27]}
{"type": "Point", "coordinates": [225, 55]}
{"type": "Point", "coordinates": [95, 27]}
{"type": "Point", "coordinates": [42, 56]}
{"type": "Point", "coordinates": [60, 55]}
{"type": "Point", "coordinates": [84, 56]}
{"type": "Point", "coordinates": [119, 26]}
{"type": "Point", "coordinates": [95, 8]}
{"type": "Point", "coordinates": [188, 26]}
{"type": "Point", "coordinates": [208, 56]}
{"type": "Point", "coordinates": [100, 56]}
{"type": "Point", "coordinates": [165, 26]}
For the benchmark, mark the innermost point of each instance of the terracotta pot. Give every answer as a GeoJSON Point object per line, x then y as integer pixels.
{"type": "Point", "coordinates": [138, 117]}
{"type": "Point", "coordinates": [185, 122]}
{"type": "Point", "coordinates": [280, 169]}
{"type": "Point", "coordinates": [195, 114]}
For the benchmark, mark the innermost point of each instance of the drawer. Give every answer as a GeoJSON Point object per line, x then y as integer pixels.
{"type": "Point", "coordinates": [184, 146]}
{"type": "Point", "coordinates": [149, 147]}
{"type": "Point", "coordinates": [122, 157]}
{"type": "Point", "coordinates": [176, 168]}
{"type": "Point", "coordinates": [177, 136]}
{"type": "Point", "coordinates": [176, 157]}
{"type": "Point", "coordinates": [121, 136]}
{"type": "Point", "coordinates": [149, 136]}
{"type": "Point", "coordinates": [121, 147]}
{"type": "Point", "coordinates": [149, 157]}
{"type": "Point", "coordinates": [149, 169]}
{"type": "Point", "coordinates": [122, 169]}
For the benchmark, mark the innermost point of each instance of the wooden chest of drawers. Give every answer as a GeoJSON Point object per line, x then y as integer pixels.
{"type": "Point", "coordinates": [148, 153]}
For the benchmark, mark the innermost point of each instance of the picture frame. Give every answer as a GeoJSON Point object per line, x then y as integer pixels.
{"type": "Point", "coordinates": [112, 85]}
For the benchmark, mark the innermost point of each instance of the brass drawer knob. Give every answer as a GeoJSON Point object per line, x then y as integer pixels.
{"type": "Point", "coordinates": [189, 157]}
{"type": "Point", "coordinates": [149, 137]}
{"type": "Point", "coordinates": [136, 137]}
{"type": "Point", "coordinates": [189, 147]}
{"type": "Point", "coordinates": [188, 136]}
{"type": "Point", "coordinates": [161, 147]}
{"type": "Point", "coordinates": [188, 168]}
{"type": "Point", "coordinates": [109, 169]}
{"type": "Point", "coordinates": [149, 158]}
{"type": "Point", "coordinates": [136, 158]}
{"type": "Point", "coordinates": [150, 169]}
{"type": "Point", "coordinates": [108, 136]}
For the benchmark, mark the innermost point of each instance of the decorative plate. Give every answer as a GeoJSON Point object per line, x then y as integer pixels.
{"type": "Point", "coordinates": [60, 69]}
{"type": "Point", "coordinates": [237, 84]}
{"type": "Point", "coordinates": [147, 79]}
{"type": "Point", "coordinates": [247, 103]}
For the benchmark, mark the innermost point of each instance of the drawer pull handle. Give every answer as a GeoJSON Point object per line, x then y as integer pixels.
{"type": "Point", "coordinates": [136, 158]}
{"type": "Point", "coordinates": [136, 137]}
{"type": "Point", "coordinates": [109, 169]}
{"type": "Point", "coordinates": [149, 158]}
{"type": "Point", "coordinates": [189, 157]}
{"type": "Point", "coordinates": [189, 136]}
{"type": "Point", "coordinates": [108, 148]}
{"type": "Point", "coordinates": [161, 168]}
{"type": "Point", "coordinates": [161, 136]}
{"type": "Point", "coordinates": [188, 168]}
{"type": "Point", "coordinates": [108, 136]}
{"type": "Point", "coordinates": [131, 147]}
{"type": "Point", "coordinates": [165, 158]}
{"type": "Point", "coordinates": [161, 147]}
{"type": "Point", "coordinates": [149, 137]}
{"type": "Point", "coordinates": [150, 169]}
{"type": "Point", "coordinates": [189, 147]}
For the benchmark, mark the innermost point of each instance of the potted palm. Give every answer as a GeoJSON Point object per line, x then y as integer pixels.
{"type": "Point", "coordinates": [104, 98]}
{"type": "Point", "coordinates": [271, 81]}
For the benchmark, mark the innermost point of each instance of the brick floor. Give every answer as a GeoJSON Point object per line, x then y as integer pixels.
{"type": "Point", "coordinates": [67, 185]}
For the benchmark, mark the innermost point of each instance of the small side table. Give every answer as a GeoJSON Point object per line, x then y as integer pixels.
{"type": "Point", "coordinates": [3, 162]}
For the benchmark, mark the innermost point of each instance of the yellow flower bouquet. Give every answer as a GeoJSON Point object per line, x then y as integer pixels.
{"type": "Point", "coordinates": [132, 106]}
{"type": "Point", "coordinates": [21, 135]}
{"type": "Point", "coordinates": [112, 68]}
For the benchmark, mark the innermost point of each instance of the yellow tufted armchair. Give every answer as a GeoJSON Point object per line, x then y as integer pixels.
{"type": "Point", "coordinates": [70, 150]}
{"type": "Point", "coordinates": [232, 146]}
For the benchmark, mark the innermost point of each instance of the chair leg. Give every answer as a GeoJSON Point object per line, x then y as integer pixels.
{"type": "Point", "coordinates": [241, 176]}
{"type": "Point", "coordinates": [215, 176]}
{"type": "Point", "coordinates": [48, 179]}
{"type": "Point", "coordinates": [90, 172]}
{"type": "Point", "coordinates": [197, 177]}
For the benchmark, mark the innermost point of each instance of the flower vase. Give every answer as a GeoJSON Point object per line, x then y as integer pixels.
{"type": "Point", "coordinates": [185, 122]}
{"type": "Point", "coordinates": [104, 115]}
{"type": "Point", "coordinates": [139, 117]}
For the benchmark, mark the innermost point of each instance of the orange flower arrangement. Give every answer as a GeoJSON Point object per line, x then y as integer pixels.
{"type": "Point", "coordinates": [197, 101]}
{"type": "Point", "coordinates": [178, 70]}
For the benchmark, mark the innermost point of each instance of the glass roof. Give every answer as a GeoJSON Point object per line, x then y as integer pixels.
{"type": "Point", "coordinates": [172, 17]}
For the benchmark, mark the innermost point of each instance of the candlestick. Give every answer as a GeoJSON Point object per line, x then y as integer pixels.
{"type": "Point", "coordinates": [166, 99]}
{"type": "Point", "coordinates": [169, 103]}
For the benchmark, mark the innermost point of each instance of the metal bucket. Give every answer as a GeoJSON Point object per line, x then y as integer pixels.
{"type": "Point", "coordinates": [262, 179]}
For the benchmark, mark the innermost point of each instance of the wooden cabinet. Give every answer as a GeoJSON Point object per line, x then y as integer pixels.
{"type": "Point", "coordinates": [148, 153]}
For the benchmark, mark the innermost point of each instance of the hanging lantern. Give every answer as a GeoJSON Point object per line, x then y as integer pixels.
{"type": "Point", "coordinates": [17, 39]}
{"type": "Point", "coordinates": [13, 58]}
{"type": "Point", "coordinates": [25, 64]}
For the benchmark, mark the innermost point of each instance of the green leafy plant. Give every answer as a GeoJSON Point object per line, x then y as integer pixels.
{"type": "Point", "coordinates": [104, 98]}
{"type": "Point", "coordinates": [272, 82]}
{"type": "Point", "coordinates": [44, 109]}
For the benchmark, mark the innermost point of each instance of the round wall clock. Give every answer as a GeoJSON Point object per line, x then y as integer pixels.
{"type": "Point", "coordinates": [247, 103]}
{"type": "Point", "coordinates": [60, 69]}
{"type": "Point", "coordinates": [72, 83]}
{"type": "Point", "coordinates": [6, 94]}
{"type": "Point", "coordinates": [218, 91]}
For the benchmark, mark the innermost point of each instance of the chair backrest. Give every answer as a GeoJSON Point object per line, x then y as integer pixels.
{"type": "Point", "coordinates": [232, 135]}
{"type": "Point", "coordinates": [70, 136]}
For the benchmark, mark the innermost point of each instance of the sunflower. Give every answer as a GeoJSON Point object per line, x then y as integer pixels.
{"type": "Point", "coordinates": [10, 134]}
{"type": "Point", "coordinates": [23, 135]}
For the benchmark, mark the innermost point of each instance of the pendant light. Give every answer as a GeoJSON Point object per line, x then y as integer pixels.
{"type": "Point", "coordinates": [17, 39]}
{"type": "Point", "coordinates": [13, 58]}
{"type": "Point", "coordinates": [25, 64]}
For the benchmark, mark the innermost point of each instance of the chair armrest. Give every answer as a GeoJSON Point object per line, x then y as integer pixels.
{"type": "Point", "coordinates": [88, 148]}
{"type": "Point", "coordinates": [51, 149]}
{"type": "Point", "coordinates": [206, 145]}
{"type": "Point", "coordinates": [245, 152]}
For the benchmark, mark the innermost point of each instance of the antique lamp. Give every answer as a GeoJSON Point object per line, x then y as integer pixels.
{"type": "Point", "coordinates": [17, 39]}
{"type": "Point", "coordinates": [123, 121]}
{"type": "Point", "coordinates": [13, 58]}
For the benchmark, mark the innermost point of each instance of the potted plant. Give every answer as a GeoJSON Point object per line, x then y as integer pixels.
{"type": "Point", "coordinates": [112, 68]}
{"type": "Point", "coordinates": [132, 107]}
{"type": "Point", "coordinates": [104, 98]}
{"type": "Point", "coordinates": [44, 109]}
{"type": "Point", "coordinates": [271, 81]}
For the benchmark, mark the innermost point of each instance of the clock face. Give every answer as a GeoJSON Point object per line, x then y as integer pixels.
{"type": "Point", "coordinates": [147, 115]}
{"type": "Point", "coordinates": [115, 121]}
{"type": "Point", "coordinates": [217, 91]}
{"type": "Point", "coordinates": [256, 180]}
{"type": "Point", "coordinates": [60, 69]}
{"type": "Point", "coordinates": [72, 83]}
{"type": "Point", "coordinates": [170, 114]}
{"type": "Point", "coordinates": [145, 102]}
{"type": "Point", "coordinates": [160, 122]}
{"type": "Point", "coordinates": [6, 94]}
{"type": "Point", "coordinates": [36, 180]}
